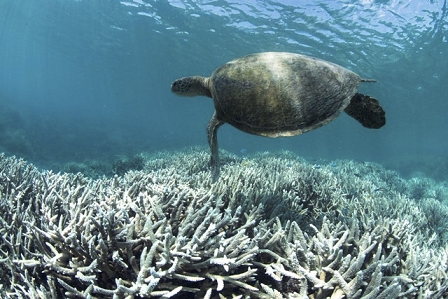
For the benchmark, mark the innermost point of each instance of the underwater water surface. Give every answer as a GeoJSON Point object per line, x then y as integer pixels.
{"type": "Point", "coordinates": [90, 80]}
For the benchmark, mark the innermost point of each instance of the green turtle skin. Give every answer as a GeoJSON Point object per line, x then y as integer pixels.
{"type": "Point", "coordinates": [279, 94]}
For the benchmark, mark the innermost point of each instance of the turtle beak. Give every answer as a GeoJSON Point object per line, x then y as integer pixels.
{"type": "Point", "coordinates": [178, 87]}
{"type": "Point", "coordinates": [173, 86]}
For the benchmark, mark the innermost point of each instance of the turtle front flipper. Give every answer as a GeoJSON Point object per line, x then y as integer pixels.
{"type": "Point", "coordinates": [212, 130]}
{"type": "Point", "coordinates": [367, 111]}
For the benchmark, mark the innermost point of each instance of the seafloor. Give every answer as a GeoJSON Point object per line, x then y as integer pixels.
{"type": "Point", "coordinates": [272, 226]}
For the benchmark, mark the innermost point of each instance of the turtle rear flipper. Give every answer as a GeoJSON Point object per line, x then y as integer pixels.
{"type": "Point", "coordinates": [367, 111]}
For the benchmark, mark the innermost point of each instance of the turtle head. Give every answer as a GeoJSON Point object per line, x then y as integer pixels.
{"type": "Point", "coordinates": [191, 86]}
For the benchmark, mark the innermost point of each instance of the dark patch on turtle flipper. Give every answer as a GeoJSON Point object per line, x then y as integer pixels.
{"type": "Point", "coordinates": [367, 111]}
{"type": "Point", "coordinates": [212, 130]}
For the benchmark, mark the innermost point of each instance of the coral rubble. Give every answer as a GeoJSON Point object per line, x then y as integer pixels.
{"type": "Point", "coordinates": [273, 226]}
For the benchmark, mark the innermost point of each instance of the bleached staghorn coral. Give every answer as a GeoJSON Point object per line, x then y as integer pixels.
{"type": "Point", "coordinates": [168, 233]}
{"type": "Point", "coordinates": [128, 236]}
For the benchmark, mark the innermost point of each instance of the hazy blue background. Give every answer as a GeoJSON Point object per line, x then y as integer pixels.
{"type": "Point", "coordinates": [84, 80]}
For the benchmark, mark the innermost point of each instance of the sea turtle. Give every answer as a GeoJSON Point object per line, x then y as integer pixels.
{"type": "Point", "coordinates": [279, 94]}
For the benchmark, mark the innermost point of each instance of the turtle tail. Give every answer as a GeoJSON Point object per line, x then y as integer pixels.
{"type": "Point", "coordinates": [367, 111]}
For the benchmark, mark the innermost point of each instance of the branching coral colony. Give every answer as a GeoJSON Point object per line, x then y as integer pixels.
{"type": "Point", "coordinates": [273, 226]}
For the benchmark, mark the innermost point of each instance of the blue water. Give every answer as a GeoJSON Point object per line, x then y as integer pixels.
{"type": "Point", "coordinates": [86, 80]}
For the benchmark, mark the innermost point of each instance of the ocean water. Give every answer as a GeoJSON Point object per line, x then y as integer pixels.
{"type": "Point", "coordinates": [339, 211]}
{"type": "Point", "coordinates": [90, 80]}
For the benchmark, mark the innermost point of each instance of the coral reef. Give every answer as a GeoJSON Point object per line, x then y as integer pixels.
{"type": "Point", "coordinates": [273, 226]}
{"type": "Point", "coordinates": [431, 165]}
{"type": "Point", "coordinates": [104, 167]}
